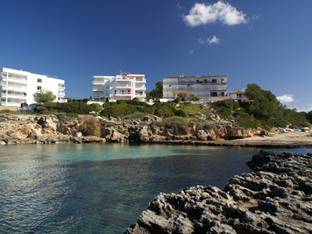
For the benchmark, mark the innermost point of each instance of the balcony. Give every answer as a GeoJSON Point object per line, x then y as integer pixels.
{"type": "Point", "coordinates": [98, 90]}
{"type": "Point", "coordinates": [140, 81]}
{"type": "Point", "coordinates": [143, 87]}
{"type": "Point", "coordinates": [122, 94]}
{"type": "Point", "coordinates": [14, 80]}
{"type": "Point", "coordinates": [99, 82]}
{"type": "Point", "coordinates": [15, 88]}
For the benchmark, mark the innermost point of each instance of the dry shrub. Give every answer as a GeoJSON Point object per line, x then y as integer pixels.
{"type": "Point", "coordinates": [90, 126]}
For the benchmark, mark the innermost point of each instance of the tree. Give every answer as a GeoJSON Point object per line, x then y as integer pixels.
{"type": "Point", "coordinates": [183, 94]}
{"type": "Point", "coordinates": [265, 107]}
{"type": "Point", "coordinates": [309, 117]}
{"type": "Point", "coordinates": [193, 98]}
{"type": "Point", "coordinates": [157, 92]}
{"type": "Point", "coordinates": [44, 97]}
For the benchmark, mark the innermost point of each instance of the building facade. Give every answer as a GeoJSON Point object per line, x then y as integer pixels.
{"type": "Point", "coordinates": [17, 87]}
{"type": "Point", "coordinates": [119, 87]}
{"type": "Point", "coordinates": [206, 88]}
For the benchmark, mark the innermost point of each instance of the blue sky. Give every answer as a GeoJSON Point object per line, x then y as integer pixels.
{"type": "Point", "coordinates": [254, 41]}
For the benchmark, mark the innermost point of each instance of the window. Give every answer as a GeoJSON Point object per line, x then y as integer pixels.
{"type": "Point", "coordinates": [39, 88]}
{"type": "Point", "coordinates": [39, 80]}
{"type": "Point", "coordinates": [214, 94]}
{"type": "Point", "coordinates": [214, 81]}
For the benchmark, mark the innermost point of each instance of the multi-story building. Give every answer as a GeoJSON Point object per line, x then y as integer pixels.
{"type": "Point", "coordinates": [206, 88]}
{"type": "Point", "coordinates": [17, 87]}
{"type": "Point", "coordinates": [119, 87]}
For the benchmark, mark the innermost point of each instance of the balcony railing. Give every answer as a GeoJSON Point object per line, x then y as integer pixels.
{"type": "Point", "coordinates": [17, 80]}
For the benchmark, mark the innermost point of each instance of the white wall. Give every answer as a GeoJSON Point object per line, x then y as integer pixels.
{"type": "Point", "coordinates": [48, 84]}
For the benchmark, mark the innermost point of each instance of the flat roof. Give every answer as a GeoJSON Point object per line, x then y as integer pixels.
{"type": "Point", "coordinates": [7, 69]}
{"type": "Point", "coordinates": [197, 77]}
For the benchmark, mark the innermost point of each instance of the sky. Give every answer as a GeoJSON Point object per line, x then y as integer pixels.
{"type": "Point", "coordinates": [254, 41]}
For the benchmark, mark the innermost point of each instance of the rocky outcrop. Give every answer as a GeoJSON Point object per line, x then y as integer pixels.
{"type": "Point", "coordinates": [33, 129]}
{"type": "Point", "coordinates": [275, 198]}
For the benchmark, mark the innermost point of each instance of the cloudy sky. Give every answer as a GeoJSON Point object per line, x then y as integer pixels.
{"type": "Point", "coordinates": [254, 41]}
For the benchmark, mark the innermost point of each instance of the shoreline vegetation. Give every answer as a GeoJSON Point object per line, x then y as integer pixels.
{"type": "Point", "coordinates": [262, 121]}
{"type": "Point", "coordinates": [274, 198]}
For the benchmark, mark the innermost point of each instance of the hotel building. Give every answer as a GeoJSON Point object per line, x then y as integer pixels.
{"type": "Point", "coordinates": [206, 88]}
{"type": "Point", "coordinates": [119, 87]}
{"type": "Point", "coordinates": [17, 87]}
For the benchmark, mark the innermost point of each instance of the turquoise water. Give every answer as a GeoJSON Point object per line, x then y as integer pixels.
{"type": "Point", "coordinates": [101, 188]}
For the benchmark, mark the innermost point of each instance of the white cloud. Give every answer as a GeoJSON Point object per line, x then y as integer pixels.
{"type": "Point", "coordinates": [306, 108]}
{"type": "Point", "coordinates": [191, 52]}
{"type": "Point", "coordinates": [220, 11]}
{"type": "Point", "coordinates": [210, 40]}
{"type": "Point", "coordinates": [286, 98]}
{"type": "Point", "coordinates": [213, 40]}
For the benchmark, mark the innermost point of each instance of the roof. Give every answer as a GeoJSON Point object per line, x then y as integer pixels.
{"type": "Point", "coordinates": [7, 69]}
{"type": "Point", "coordinates": [197, 77]}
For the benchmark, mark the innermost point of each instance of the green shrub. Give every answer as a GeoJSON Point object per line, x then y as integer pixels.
{"type": "Point", "coordinates": [44, 97]}
{"type": "Point", "coordinates": [175, 125]}
{"type": "Point", "coordinates": [72, 107]}
{"type": "Point", "coordinates": [180, 113]}
{"type": "Point", "coordinates": [247, 121]}
{"type": "Point", "coordinates": [263, 110]}
{"type": "Point", "coordinates": [226, 108]}
{"type": "Point", "coordinates": [121, 109]}
{"type": "Point", "coordinates": [163, 110]}
{"type": "Point", "coordinates": [135, 115]}
{"type": "Point", "coordinates": [309, 116]}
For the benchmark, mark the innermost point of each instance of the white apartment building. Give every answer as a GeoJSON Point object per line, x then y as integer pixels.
{"type": "Point", "coordinates": [119, 87]}
{"type": "Point", "coordinates": [17, 87]}
{"type": "Point", "coordinates": [206, 88]}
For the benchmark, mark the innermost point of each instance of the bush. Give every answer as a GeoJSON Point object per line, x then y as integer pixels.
{"type": "Point", "coordinates": [193, 98]}
{"type": "Point", "coordinates": [124, 108]}
{"type": "Point", "coordinates": [263, 110]}
{"type": "Point", "coordinates": [136, 115]}
{"type": "Point", "coordinates": [180, 113]}
{"type": "Point", "coordinates": [44, 97]}
{"type": "Point", "coordinates": [309, 116]}
{"type": "Point", "coordinates": [226, 108]}
{"type": "Point", "coordinates": [90, 126]}
{"type": "Point", "coordinates": [72, 107]}
{"type": "Point", "coordinates": [163, 110]}
{"type": "Point", "coordinates": [175, 125]}
{"type": "Point", "coordinates": [247, 121]}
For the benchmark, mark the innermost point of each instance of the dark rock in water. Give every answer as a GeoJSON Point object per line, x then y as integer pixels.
{"type": "Point", "coordinates": [275, 198]}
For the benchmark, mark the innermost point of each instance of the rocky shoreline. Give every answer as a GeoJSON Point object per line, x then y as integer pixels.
{"type": "Point", "coordinates": [275, 198]}
{"type": "Point", "coordinates": [52, 129]}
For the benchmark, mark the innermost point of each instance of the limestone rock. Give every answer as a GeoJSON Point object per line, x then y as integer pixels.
{"type": "Point", "coordinates": [275, 198]}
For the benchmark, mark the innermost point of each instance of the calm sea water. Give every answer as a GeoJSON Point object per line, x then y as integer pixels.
{"type": "Point", "coordinates": [101, 188]}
